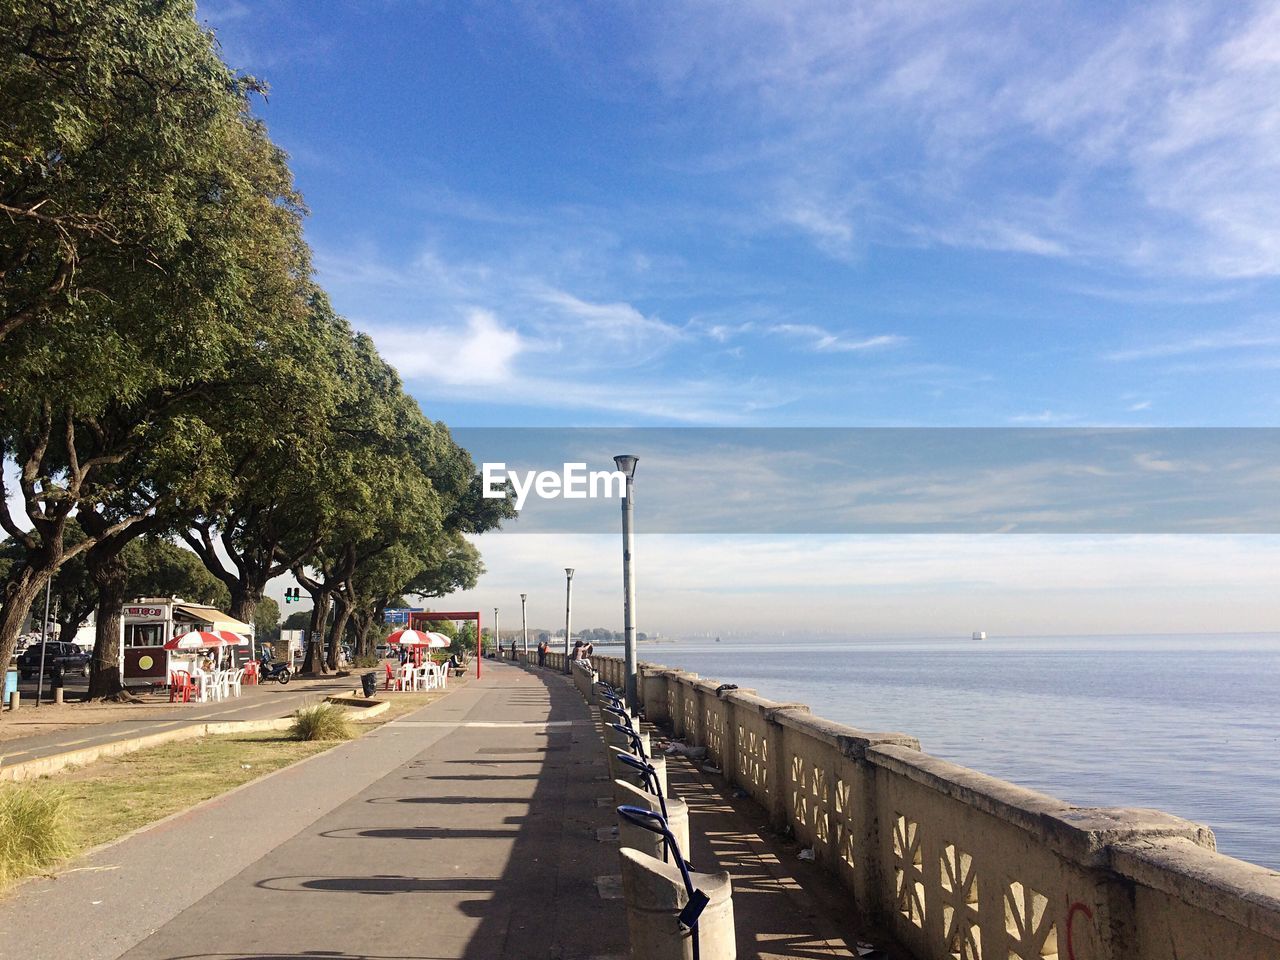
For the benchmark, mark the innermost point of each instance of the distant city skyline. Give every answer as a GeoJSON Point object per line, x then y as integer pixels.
{"type": "Point", "coordinates": [757, 214]}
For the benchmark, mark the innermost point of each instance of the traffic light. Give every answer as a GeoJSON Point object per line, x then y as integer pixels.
{"type": "Point", "coordinates": [291, 595]}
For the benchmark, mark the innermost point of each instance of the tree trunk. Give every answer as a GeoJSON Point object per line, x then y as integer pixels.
{"type": "Point", "coordinates": [314, 662]}
{"type": "Point", "coordinates": [108, 572]}
{"type": "Point", "coordinates": [67, 630]}
{"type": "Point", "coordinates": [364, 641]}
{"type": "Point", "coordinates": [339, 630]}
{"type": "Point", "coordinates": [244, 601]}
{"type": "Point", "coordinates": [20, 593]}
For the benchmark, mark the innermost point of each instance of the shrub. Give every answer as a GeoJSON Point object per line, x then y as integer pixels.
{"type": "Point", "coordinates": [324, 721]}
{"type": "Point", "coordinates": [366, 661]}
{"type": "Point", "coordinates": [35, 832]}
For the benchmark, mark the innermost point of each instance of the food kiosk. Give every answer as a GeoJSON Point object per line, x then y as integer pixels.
{"type": "Point", "coordinates": [148, 624]}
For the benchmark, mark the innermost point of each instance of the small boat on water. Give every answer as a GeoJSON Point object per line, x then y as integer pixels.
{"type": "Point", "coordinates": [979, 634]}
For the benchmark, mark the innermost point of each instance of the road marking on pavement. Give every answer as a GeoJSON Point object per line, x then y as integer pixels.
{"type": "Point", "coordinates": [493, 724]}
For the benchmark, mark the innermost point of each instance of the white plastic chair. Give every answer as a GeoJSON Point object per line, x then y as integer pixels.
{"type": "Point", "coordinates": [232, 680]}
{"type": "Point", "coordinates": [209, 687]}
{"type": "Point", "coordinates": [408, 677]}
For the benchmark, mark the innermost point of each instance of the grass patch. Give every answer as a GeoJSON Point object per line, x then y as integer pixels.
{"type": "Point", "coordinates": [324, 721]}
{"type": "Point", "coordinates": [51, 820]}
{"type": "Point", "coordinates": [114, 796]}
{"type": "Point", "coordinates": [35, 831]}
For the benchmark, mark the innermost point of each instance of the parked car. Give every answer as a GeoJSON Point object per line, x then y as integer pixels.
{"type": "Point", "coordinates": [67, 657]}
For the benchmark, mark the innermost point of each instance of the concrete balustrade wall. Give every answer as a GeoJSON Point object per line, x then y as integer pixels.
{"type": "Point", "coordinates": [963, 866]}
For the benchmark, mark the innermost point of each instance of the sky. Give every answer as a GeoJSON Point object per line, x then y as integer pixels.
{"type": "Point", "coordinates": [810, 214]}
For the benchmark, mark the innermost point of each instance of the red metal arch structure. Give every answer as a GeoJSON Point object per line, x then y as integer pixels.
{"type": "Point", "coordinates": [419, 621]}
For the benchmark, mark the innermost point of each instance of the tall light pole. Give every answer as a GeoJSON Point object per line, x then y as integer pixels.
{"type": "Point", "coordinates": [568, 613]}
{"type": "Point", "coordinates": [44, 640]}
{"type": "Point", "coordinates": [497, 637]}
{"type": "Point", "coordinates": [627, 466]}
{"type": "Point", "coordinates": [524, 623]}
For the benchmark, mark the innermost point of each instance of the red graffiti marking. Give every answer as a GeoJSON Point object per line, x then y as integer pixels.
{"type": "Point", "coordinates": [1075, 908]}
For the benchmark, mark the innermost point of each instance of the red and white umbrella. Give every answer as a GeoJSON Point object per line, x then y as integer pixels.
{"type": "Point", "coordinates": [201, 640]}
{"type": "Point", "coordinates": [233, 639]}
{"type": "Point", "coordinates": [418, 638]}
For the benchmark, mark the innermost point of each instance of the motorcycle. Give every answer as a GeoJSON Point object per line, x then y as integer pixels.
{"type": "Point", "coordinates": [279, 672]}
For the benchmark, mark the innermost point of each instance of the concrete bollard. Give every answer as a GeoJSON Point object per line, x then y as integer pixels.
{"type": "Point", "coordinates": [655, 895]}
{"type": "Point", "coordinates": [586, 682]}
{"type": "Point", "coordinates": [616, 738]}
{"type": "Point", "coordinates": [15, 700]}
{"type": "Point", "coordinates": [607, 720]}
{"type": "Point", "coordinates": [57, 695]}
{"type": "Point", "coordinates": [638, 838]}
{"type": "Point", "coordinates": [622, 771]}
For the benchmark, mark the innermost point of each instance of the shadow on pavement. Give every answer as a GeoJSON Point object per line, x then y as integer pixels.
{"type": "Point", "coordinates": [510, 864]}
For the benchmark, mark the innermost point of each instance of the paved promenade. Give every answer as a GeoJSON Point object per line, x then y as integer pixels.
{"type": "Point", "coordinates": [467, 829]}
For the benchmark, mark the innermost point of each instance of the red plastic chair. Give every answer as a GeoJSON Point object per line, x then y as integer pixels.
{"type": "Point", "coordinates": [391, 678]}
{"type": "Point", "coordinates": [250, 672]}
{"type": "Point", "coordinates": [180, 685]}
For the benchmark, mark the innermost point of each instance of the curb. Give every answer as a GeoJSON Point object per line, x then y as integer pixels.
{"type": "Point", "coordinates": [364, 709]}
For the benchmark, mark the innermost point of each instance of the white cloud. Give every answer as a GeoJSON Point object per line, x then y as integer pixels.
{"type": "Point", "coordinates": [824, 341]}
{"type": "Point", "coordinates": [481, 351]}
{"type": "Point", "coordinates": [1249, 338]}
{"type": "Point", "coordinates": [618, 329]}
{"type": "Point", "coordinates": [1142, 134]}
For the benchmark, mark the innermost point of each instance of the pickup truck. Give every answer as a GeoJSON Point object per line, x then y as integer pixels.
{"type": "Point", "coordinates": [66, 657]}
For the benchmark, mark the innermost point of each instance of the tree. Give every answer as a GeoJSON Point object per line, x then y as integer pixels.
{"type": "Point", "coordinates": [266, 619]}
{"type": "Point", "coordinates": [298, 620]}
{"type": "Point", "coordinates": [285, 494]}
{"type": "Point", "coordinates": [73, 595]}
{"type": "Point", "coordinates": [113, 113]}
{"type": "Point", "coordinates": [152, 244]}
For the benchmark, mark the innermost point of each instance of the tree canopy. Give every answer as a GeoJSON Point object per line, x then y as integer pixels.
{"type": "Point", "coordinates": [171, 367]}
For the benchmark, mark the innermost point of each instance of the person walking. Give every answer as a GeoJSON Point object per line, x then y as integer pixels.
{"type": "Point", "coordinates": [542, 653]}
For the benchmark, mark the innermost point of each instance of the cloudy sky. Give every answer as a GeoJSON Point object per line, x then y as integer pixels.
{"type": "Point", "coordinates": [807, 214]}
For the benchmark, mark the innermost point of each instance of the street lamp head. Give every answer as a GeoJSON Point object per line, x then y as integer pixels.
{"type": "Point", "coordinates": [568, 572]}
{"type": "Point", "coordinates": [524, 597]}
{"type": "Point", "coordinates": [626, 464]}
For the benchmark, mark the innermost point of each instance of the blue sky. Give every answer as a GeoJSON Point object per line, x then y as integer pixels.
{"type": "Point", "coordinates": [802, 213]}
{"type": "Point", "coordinates": [791, 214]}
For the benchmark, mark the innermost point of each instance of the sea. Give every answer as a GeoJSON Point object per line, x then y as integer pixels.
{"type": "Point", "coordinates": [1189, 724]}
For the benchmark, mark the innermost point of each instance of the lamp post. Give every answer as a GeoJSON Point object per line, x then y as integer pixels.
{"type": "Point", "coordinates": [627, 466]}
{"type": "Point", "coordinates": [44, 640]}
{"type": "Point", "coordinates": [524, 624]}
{"type": "Point", "coordinates": [497, 637]}
{"type": "Point", "coordinates": [568, 613]}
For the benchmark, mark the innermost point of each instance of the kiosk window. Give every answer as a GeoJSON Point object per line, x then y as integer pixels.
{"type": "Point", "coordinates": [143, 634]}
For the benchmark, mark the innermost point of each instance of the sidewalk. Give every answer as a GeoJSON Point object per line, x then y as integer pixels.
{"type": "Point", "coordinates": [464, 831]}
{"type": "Point", "coordinates": [259, 702]}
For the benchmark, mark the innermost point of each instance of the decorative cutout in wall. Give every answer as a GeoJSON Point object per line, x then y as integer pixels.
{"type": "Point", "coordinates": [960, 904]}
{"type": "Point", "coordinates": [845, 823]}
{"type": "Point", "coordinates": [908, 869]}
{"type": "Point", "coordinates": [1027, 920]}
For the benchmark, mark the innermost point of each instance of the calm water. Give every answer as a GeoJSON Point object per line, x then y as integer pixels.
{"type": "Point", "coordinates": [1188, 724]}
